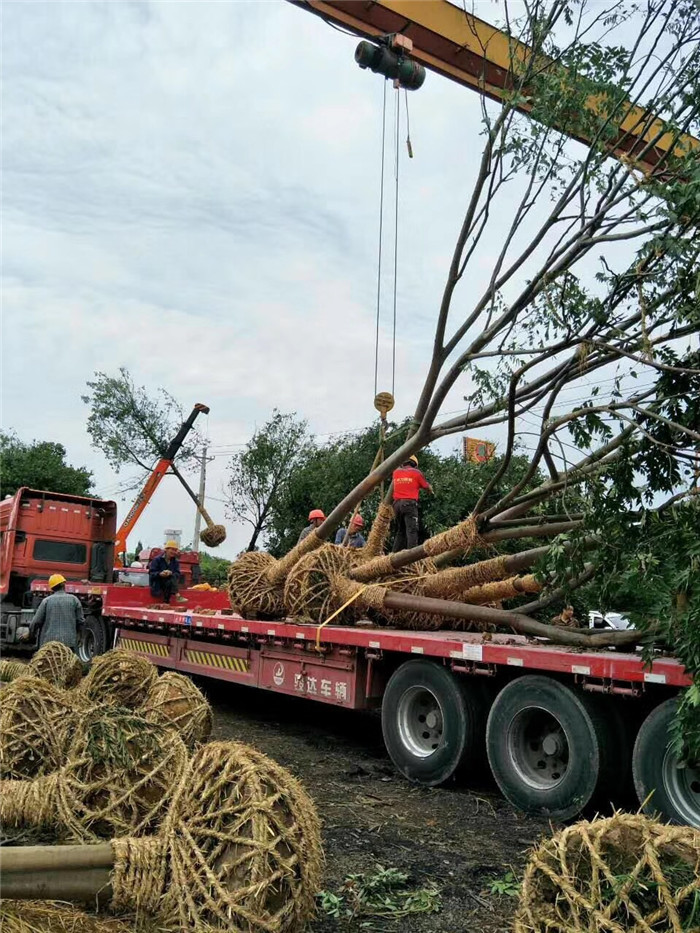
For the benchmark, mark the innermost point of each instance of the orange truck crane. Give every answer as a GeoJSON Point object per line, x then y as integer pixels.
{"type": "Point", "coordinates": [152, 483]}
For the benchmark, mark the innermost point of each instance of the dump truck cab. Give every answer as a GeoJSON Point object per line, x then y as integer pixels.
{"type": "Point", "coordinates": [48, 532]}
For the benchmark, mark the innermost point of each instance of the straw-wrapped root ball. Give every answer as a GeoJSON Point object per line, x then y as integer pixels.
{"type": "Point", "coordinates": [54, 917]}
{"type": "Point", "coordinates": [625, 873]}
{"type": "Point", "coordinates": [250, 590]}
{"type": "Point", "coordinates": [118, 778]}
{"type": "Point", "coordinates": [213, 535]}
{"type": "Point", "coordinates": [312, 592]}
{"type": "Point", "coordinates": [240, 849]}
{"type": "Point", "coordinates": [35, 719]}
{"type": "Point", "coordinates": [175, 700]}
{"type": "Point", "coordinates": [119, 678]}
{"type": "Point", "coordinates": [56, 663]}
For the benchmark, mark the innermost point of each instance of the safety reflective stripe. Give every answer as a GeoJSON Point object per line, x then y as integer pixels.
{"type": "Point", "coordinates": [144, 647]}
{"type": "Point", "coordinates": [222, 661]}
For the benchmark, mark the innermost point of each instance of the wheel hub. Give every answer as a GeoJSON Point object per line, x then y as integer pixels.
{"type": "Point", "coordinates": [682, 786]}
{"type": "Point", "coordinates": [538, 748]}
{"type": "Point", "coordinates": [420, 721]}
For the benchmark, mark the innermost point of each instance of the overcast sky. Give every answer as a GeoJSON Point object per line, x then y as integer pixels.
{"type": "Point", "coordinates": [190, 190]}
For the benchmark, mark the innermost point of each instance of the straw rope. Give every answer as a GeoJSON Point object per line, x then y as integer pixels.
{"type": "Point", "coordinates": [35, 717]}
{"type": "Point", "coordinates": [10, 670]}
{"type": "Point", "coordinates": [249, 588]}
{"type": "Point", "coordinates": [379, 532]}
{"type": "Point", "coordinates": [118, 779]}
{"type": "Point", "coordinates": [464, 535]}
{"type": "Point", "coordinates": [54, 917]}
{"type": "Point", "coordinates": [277, 574]}
{"type": "Point", "coordinates": [312, 591]}
{"type": "Point", "coordinates": [119, 678]}
{"type": "Point", "coordinates": [175, 700]}
{"type": "Point", "coordinates": [450, 583]}
{"type": "Point", "coordinates": [56, 663]}
{"type": "Point", "coordinates": [624, 874]}
{"type": "Point", "coordinates": [502, 589]}
{"type": "Point", "coordinates": [239, 849]}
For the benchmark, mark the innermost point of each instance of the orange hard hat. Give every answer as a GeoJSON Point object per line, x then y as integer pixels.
{"type": "Point", "coordinates": [316, 513]}
{"type": "Point", "coordinates": [358, 520]}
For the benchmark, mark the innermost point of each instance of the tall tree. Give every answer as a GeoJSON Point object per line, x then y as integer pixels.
{"type": "Point", "coordinates": [133, 426]}
{"type": "Point", "coordinates": [259, 473]}
{"type": "Point", "coordinates": [40, 465]}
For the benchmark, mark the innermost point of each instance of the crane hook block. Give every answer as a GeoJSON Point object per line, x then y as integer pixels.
{"type": "Point", "coordinates": [392, 64]}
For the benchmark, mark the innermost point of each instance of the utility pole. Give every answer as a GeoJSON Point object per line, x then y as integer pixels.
{"type": "Point", "coordinates": [202, 485]}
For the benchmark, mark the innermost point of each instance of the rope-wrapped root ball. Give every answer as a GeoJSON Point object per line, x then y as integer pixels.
{"type": "Point", "coordinates": [11, 670]}
{"type": "Point", "coordinates": [120, 679]}
{"type": "Point", "coordinates": [240, 849]}
{"type": "Point", "coordinates": [118, 779]}
{"type": "Point", "coordinates": [175, 700]}
{"type": "Point", "coordinates": [56, 663]}
{"type": "Point", "coordinates": [213, 535]}
{"type": "Point", "coordinates": [35, 717]}
{"type": "Point", "coordinates": [54, 917]}
{"type": "Point", "coordinates": [311, 592]}
{"type": "Point", "coordinates": [625, 873]}
{"type": "Point", "coordinates": [250, 590]}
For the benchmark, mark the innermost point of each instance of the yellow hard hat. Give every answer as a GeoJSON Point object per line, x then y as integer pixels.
{"type": "Point", "coordinates": [413, 459]}
{"type": "Point", "coordinates": [55, 580]}
{"type": "Point", "coordinates": [173, 544]}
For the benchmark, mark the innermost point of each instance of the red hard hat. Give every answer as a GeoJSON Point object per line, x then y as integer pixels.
{"type": "Point", "coordinates": [358, 520]}
{"type": "Point", "coordinates": [316, 513]}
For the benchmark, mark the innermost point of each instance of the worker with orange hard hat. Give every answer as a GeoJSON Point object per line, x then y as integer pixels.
{"type": "Point", "coordinates": [59, 616]}
{"type": "Point", "coordinates": [164, 573]}
{"type": "Point", "coordinates": [354, 537]}
{"type": "Point", "coordinates": [316, 518]}
{"type": "Point", "coordinates": [408, 482]}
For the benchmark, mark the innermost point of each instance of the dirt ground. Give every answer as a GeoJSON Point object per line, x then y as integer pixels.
{"type": "Point", "coordinates": [458, 838]}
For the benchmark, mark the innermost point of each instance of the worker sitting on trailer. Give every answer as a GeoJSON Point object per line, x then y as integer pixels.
{"type": "Point", "coordinates": [354, 538]}
{"type": "Point", "coordinates": [59, 616]}
{"type": "Point", "coordinates": [408, 482]}
{"type": "Point", "coordinates": [164, 573]}
{"type": "Point", "coordinates": [316, 518]}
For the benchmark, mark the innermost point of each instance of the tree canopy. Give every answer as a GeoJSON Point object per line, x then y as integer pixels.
{"type": "Point", "coordinates": [40, 465]}
{"type": "Point", "coordinates": [133, 425]}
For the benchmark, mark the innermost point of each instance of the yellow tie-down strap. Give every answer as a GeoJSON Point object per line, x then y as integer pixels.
{"type": "Point", "coordinates": [144, 647]}
{"type": "Point", "coordinates": [225, 662]}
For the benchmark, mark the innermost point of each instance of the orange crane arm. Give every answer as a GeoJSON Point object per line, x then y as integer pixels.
{"type": "Point", "coordinates": [153, 481]}
{"type": "Point", "coordinates": [449, 40]}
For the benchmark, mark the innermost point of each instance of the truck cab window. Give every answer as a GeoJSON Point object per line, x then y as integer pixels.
{"type": "Point", "coordinates": [60, 552]}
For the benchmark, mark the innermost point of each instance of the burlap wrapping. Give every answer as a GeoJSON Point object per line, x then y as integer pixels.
{"type": "Point", "coordinates": [213, 535]}
{"type": "Point", "coordinates": [379, 532]}
{"type": "Point", "coordinates": [54, 917]}
{"type": "Point", "coordinates": [119, 678]}
{"type": "Point", "coordinates": [240, 849]}
{"type": "Point", "coordinates": [56, 663]}
{"type": "Point", "coordinates": [175, 700]}
{"type": "Point", "coordinates": [625, 874]}
{"type": "Point", "coordinates": [118, 778]}
{"type": "Point", "coordinates": [35, 719]}
{"type": "Point", "coordinates": [463, 536]}
{"type": "Point", "coordinates": [450, 583]}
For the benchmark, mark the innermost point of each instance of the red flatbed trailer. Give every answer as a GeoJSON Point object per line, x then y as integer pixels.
{"type": "Point", "coordinates": [561, 727]}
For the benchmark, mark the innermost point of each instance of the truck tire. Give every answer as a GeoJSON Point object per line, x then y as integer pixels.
{"type": "Point", "coordinates": [661, 785]}
{"type": "Point", "coordinates": [549, 748]}
{"type": "Point", "coordinates": [433, 722]}
{"type": "Point", "coordinates": [94, 638]}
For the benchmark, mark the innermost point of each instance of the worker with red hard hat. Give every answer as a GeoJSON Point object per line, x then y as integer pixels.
{"type": "Point", "coordinates": [408, 482]}
{"type": "Point", "coordinates": [316, 518]}
{"type": "Point", "coordinates": [354, 537]}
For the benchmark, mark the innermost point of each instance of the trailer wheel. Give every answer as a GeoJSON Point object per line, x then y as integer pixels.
{"type": "Point", "coordinates": [662, 784]}
{"type": "Point", "coordinates": [433, 723]}
{"type": "Point", "coordinates": [94, 639]}
{"type": "Point", "coordinates": [548, 747]}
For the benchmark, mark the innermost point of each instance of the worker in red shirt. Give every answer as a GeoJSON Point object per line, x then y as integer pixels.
{"type": "Point", "coordinates": [408, 482]}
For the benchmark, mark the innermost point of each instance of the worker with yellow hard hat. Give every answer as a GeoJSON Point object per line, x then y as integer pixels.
{"type": "Point", "coordinates": [59, 616]}
{"type": "Point", "coordinates": [164, 573]}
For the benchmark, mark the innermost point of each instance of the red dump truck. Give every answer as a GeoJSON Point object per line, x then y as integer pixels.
{"type": "Point", "coordinates": [48, 532]}
{"type": "Point", "coordinates": [562, 730]}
